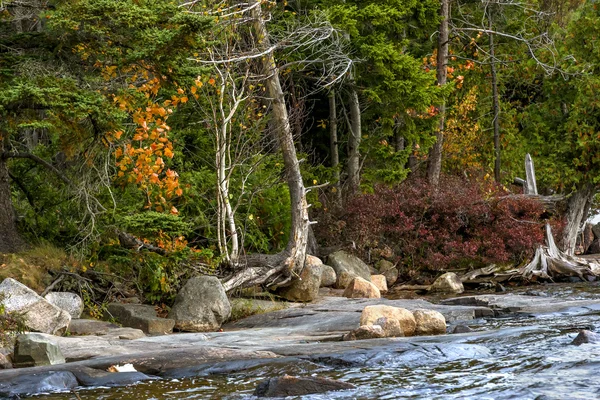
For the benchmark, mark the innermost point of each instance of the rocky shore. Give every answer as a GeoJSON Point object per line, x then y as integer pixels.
{"type": "Point", "coordinates": [310, 332]}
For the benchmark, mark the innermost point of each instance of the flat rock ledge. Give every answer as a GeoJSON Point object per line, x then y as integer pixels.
{"type": "Point", "coordinates": [308, 334]}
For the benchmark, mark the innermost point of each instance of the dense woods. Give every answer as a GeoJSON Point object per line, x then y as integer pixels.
{"type": "Point", "coordinates": [153, 140]}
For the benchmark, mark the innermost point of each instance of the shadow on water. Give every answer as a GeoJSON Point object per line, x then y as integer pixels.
{"type": "Point", "coordinates": [525, 358]}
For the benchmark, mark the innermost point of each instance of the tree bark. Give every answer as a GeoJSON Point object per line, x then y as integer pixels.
{"type": "Point", "coordinates": [333, 144]}
{"type": "Point", "coordinates": [434, 166]}
{"type": "Point", "coordinates": [495, 101]}
{"type": "Point", "coordinates": [278, 269]}
{"type": "Point", "coordinates": [10, 239]}
{"type": "Point", "coordinates": [576, 207]}
{"type": "Point", "coordinates": [353, 145]}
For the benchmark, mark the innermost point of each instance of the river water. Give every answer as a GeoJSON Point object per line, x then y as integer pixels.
{"type": "Point", "coordinates": [530, 357]}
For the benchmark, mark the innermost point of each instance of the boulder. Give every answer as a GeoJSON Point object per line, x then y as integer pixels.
{"type": "Point", "coordinates": [462, 329]}
{"type": "Point", "coordinates": [594, 247]}
{"type": "Point", "coordinates": [90, 327]}
{"type": "Point", "coordinates": [371, 314]}
{"type": "Point", "coordinates": [40, 315]}
{"type": "Point", "coordinates": [347, 267]}
{"type": "Point", "coordinates": [201, 305]}
{"type": "Point", "coordinates": [391, 327]}
{"type": "Point", "coordinates": [429, 322]}
{"type": "Point", "coordinates": [5, 363]}
{"type": "Point", "coordinates": [70, 302]}
{"type": "Point", "coordinates": [306, 287]}
{"type": "Point", "coordinates": [298, 386]}
{"type": "Point", "coordinates": [328, 276]}
{"type": "Point", "coordinates": [596, 231]}
{"type": "Point", "coordinates": [33, 350]}
{"type": "Point", "coordinates": [360, 288]}
{"type": "Point", "coordinates": [447, 283]}
{"type": "Point", "coordinates": [140, 316]}
{"type": "Point", "coordinates": [365, 332]}
{"type": "Point", "coordinates": [388, 270]}
{"type": "Point", "coordinates": [380, 282]}
{"type": "Point", "coordinates": [586, 336]}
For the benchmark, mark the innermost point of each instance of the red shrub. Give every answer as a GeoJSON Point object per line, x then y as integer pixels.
{"type": "Point", "coordinates": [463, 223]}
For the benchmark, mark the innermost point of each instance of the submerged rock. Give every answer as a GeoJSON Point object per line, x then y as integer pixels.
{"type": "Point", "coordinates": [70, 302]}
{"type": "Point", "coordinates": [347, 267]}
{"type": "Point", "coordinates": [201, 305]}
{"type": "Point", "coordinates": [429, 322]}
{"type": "Point", "coordinates": [360, 288]}
{"type": "Point", "coordinates": [298, 386]}
{"type": "Point", "coordinates": [41, 382]}
{"type": "Point", "coordinates": [33, 350]}
{"type": "Point", "coordinates": [306, 287]}
{"type": "Point", "coordinates": [140, 316]}
{"type": "Point", "coordinates": [586, 336]}
{"type": "Point", "coordinates": [447, 283]}
{"type": "Point", "coordinates": [96, 377]}
{"type": "Point", "coordinates": [40, 315]}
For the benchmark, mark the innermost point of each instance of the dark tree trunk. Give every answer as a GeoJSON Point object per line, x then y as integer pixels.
{"type": "Point", "coordinates": [495, 102]}
{"type": "Point", "coordinates": [354, 145]}
{"type": "Point", "coordinates": [10, 240]}
{"type": "Point", "coordinates": [333, 143]}
{"type": "Point", "coordinates": [434, 166]}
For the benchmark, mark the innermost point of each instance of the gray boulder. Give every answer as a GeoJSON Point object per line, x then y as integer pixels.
{"type": "Point", "coordinates": [40, 315]}
{"type": "Point", "coordinates": [33, 350]}
{"type": "Point", "coordinates": [306, 287]}
{"type": "Point", "coordinates": [140, 316]}
{"type": "Point", "coordinates": [388, 270]}
{"type": "Point", "coordinates": [347, 267]}
{"type": "Point", "coordinates": [201, 305]}
{"type": "Point", "coordinates": [328, 276]}
{"type": "Point", "coordinates": [70, 302]}
{"type": "Point", "coordinates": [447, 283]}
{"type": "Point", "coordinates": [298, 386]}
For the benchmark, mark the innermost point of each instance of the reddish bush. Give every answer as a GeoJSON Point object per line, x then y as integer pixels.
{"type": "Point", "coordinates": [463, 223]}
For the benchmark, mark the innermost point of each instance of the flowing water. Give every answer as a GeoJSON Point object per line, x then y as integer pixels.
{"type": "Point", "coordinates": [529, 358]}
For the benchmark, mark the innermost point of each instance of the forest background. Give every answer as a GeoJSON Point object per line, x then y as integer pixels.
{"type": "Point", "coordinates": [144, 141]}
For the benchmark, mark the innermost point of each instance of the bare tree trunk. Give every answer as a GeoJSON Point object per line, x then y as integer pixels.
{"type": "Point", "coordinates": [353, 145]}
{"type": "Point", "coordinates": [495, 101]}
{"type": "Point", "coordinates": [434, 166]}
{"type": "Point", "coordinates": [333, 143]}
{"type": "Point", "coordinates": [576, 207]}
{"type": "Point", "coordinates": [278, 269]}
{"type": "Point", "coordinates": [10, 239]}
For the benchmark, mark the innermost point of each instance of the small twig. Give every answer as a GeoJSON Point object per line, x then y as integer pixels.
{"type": "Point", "coordinates": [52, 285]}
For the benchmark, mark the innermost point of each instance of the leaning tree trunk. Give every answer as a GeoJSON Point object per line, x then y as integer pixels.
{"type": "Point", "coordinates": [576, 206]}
{"type": "Point", "coordinates": [277, 269]}
{"type": "Point", "coordinates": [434, 166]}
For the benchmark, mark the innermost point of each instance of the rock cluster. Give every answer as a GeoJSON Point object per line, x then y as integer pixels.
{"type": "Point", "coordinates": [387, 321]}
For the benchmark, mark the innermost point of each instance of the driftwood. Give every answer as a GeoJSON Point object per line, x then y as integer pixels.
{"type": "Point", "coordinates": [549, 263]}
